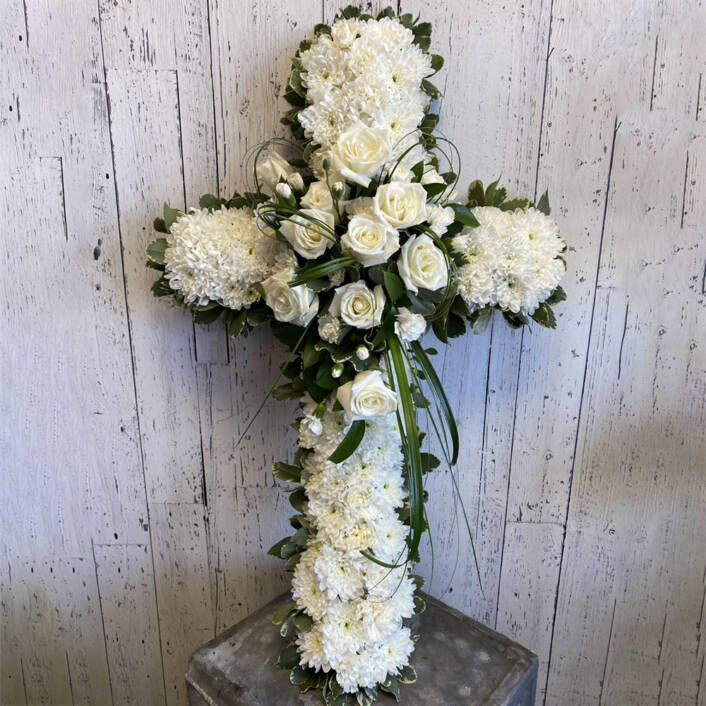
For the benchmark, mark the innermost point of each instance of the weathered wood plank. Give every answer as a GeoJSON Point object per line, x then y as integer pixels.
{"type": "Point", "coordinates": [182, 579]}
{"type": "Point", "coordinates": [251, 52]}
{"type": "Point", "coordinates": [636, 535]}
{"type": "Point", "coordinates": [132, 632]}
{"type": "Point", "coordinates": [499, 74]}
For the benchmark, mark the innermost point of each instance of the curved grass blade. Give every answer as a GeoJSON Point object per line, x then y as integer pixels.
{"type": "Point", "coordinates": [306, 274]}
{"type": "Point", "coordinates": [438, 391]}
{"type": "Point", "coordinates": [411, 444]}
{"type": "Point", "coordinates": [350, 442]}
{"type": "Point", "coordinates": [443, 443]}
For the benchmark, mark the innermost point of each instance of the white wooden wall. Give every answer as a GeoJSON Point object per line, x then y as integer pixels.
{"type": "Point", "coordinates": [132, 528]}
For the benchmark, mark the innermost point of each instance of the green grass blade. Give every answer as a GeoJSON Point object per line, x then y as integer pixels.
{"type": "Point", "coordinates": [411, 432]}
{"type": "Point", "coordinates": [306, 274]}
{"type": "Point", "coordinates": [438, 391]}
{"type": "Point", "coordinates": [350, 442]}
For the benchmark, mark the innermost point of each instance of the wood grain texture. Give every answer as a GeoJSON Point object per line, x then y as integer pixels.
{"type": "Point", "coordinates": [134, 527]}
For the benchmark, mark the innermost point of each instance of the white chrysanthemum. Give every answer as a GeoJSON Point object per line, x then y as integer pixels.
{"type": "Point", "coordinates": [342, 631]}
{"type": "Point", "coordinates": [367, 71]}
{"type": "Point", "coordinates": [312, 650]}
{"type": "Point", "coordinates": [513, 259]}
{"type": "Point", "coordinates": [338, 574]}
{"type": "Point", "coordinates": [358, 607]}
{"type": "Point", "coordinates": [306, 591]}
{"type": "Point", "coordinates": [220, 256]}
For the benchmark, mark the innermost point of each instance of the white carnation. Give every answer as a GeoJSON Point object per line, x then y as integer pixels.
{"type": "Point", "coordinates": [408, 325]}
{"type": "Point", "coordinates": [513, 259]}
{"type": "Point", "coordinates": [220, 256]}
{"type": "Point", "coordinates": [329, 328]}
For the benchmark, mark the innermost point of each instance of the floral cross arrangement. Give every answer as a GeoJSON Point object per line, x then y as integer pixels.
{"type": "Point", "coordinates": [350, 251]}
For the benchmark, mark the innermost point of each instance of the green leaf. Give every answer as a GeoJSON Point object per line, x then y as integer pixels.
{"type": "Point", "coordinates": [543, 204]}
{"type": "Point", "coordinates": [418, 171]}
{"type": "Point", "coordinates": [299, 675]}
{"type": "Point", "coordinates": [170, 216]}
{"type": "Point", "coordinates": [286, 472]}
{"type": "Point", "coordinates": [420, 605]}
{"type": "Point", "coordinates": [430, 89]}
{"type": "Point", "coordinates": [237, 323]}
{"type": "Point", "coordinates": [429, 462]}
{"type": "Point", "coordinates": [514, 320]}
{"type": "Point", "coordinates": [280, 615]}
{"type": "Point", "coordinates": [438, 326]}
{"type": "Point", "coordinates": [286, 392]}
{"type": "Point", "coordinates": [300, 537]}
{"type": "Point", "coordinates": [407, 675]}
{"type": "Point", "coordinates": [161, 288]}
{"type": "Point", "coordinates": [155, 250]}
{"type": "Point", "coordinates": [310, 356]}
{"type": "Point", "coordinates": [463, 215]}
{"type": "Point", "coordinates": [436, 62]}
{"type": "Point", "coordinates": [419, 581]}
{"type": "Point", "coordinates": [297, 499]}
{"type": "Point", "coordinates": [393, 285]}
{"type": "Point", "coordinates": [258, 315]}
{"type": "Point", "coordinates": [276, 549]}
{"type": "Point", "coordinates": [160, 226]}
{"type": "Point", "coordinates": [480, 320]}
{"type": "Point", "coordinates": [322, 28]}
{"type": "Point", "coordinates": [303, 623]}
{"type": "Point", "coordinates": [476, 194]}
{"type": "Point", "coordinates": [434, 189]}
{"type": "Point", "coordinates": [288, 657]}
{"type": "Point", "coordinates": [456, 326]}
{"type": "Point", "coordinates": [210, 202]}
{"type": "Point", "coordinates": [208, 314]}
{"type": "Point", "coordinates": [286, 628]}
{"type": "Point", "coordinates": [292, 562]}
{"type": "Point", "coordinates": [513, 204]}
{"type": "Point", "coordinates": [544, 316]}
{"type": "Point", "coordinates": [349, 12]}
{"type": "Point", "coordinates": [429, 123]}
{"type": "Point", "coordinates": [558, 295]}
{"type": "Point", "coordinates": [350, 442]}
{"type": "Point", "coordinates": [437, 389]}
{"type": "Point", "coordinates": [391, 686]}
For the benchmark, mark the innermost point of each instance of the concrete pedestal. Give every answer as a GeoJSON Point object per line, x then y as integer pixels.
{"type": "Point", "coordinates": [458, 661]}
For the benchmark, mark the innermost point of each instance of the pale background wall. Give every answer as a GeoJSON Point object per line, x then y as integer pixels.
{"type": "Point", "coordinates": [133, 529]}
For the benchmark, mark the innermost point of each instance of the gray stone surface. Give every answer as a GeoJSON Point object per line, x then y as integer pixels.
{"type": "Point", "coordinates": [458, 660]}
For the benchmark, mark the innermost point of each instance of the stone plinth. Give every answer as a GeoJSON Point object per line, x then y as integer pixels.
{"type": "Point", "coordinates": [458, 661]}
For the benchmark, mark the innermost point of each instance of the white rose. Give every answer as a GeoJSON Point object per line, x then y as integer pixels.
{"type": "Point", "coordinates": [271, 169]}
{"type": "Point", "coordinates": [360, 152]}
{"type": "Point", "coordinates": [309, 238]}
{"type": "Point", "coordinates": [370, 240]}
{"type": "Point", "coordinates": [318, 196]}
{"type": "Point", "coordinates": [366, 396]}
{"type": "Point", "coordinates": [408, 325]}
{"type": "Point", "coordinates": [422, 264]}
{"type": "Point", "coordinates": [294, 305]}
{"type": "Point", "coordinates": [357, 305]}
{"type": "Point", "coordinates": [401, 205]}
{"type": "Point", "coordinates": [296, 182]}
